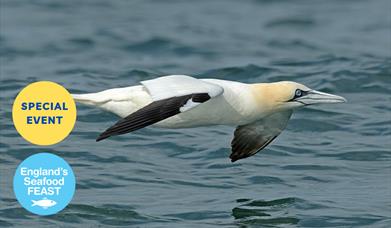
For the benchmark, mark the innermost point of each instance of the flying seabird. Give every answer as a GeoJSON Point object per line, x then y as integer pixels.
{"type": "Point", "coordinates": [260, 111]}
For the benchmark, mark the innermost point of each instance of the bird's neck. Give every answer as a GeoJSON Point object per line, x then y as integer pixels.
{"type": "Point", "coordinates": [268, 96]}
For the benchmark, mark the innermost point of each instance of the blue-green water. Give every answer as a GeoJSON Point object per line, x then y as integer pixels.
{"type": "Point", "coordinates": [331, 167]}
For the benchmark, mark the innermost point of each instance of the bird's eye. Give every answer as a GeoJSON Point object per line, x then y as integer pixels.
{"type": "Point", "coordinates": [298, 93]}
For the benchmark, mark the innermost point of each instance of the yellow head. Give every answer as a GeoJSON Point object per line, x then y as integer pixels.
{"type": "Point", "coordinates": [284, 95]}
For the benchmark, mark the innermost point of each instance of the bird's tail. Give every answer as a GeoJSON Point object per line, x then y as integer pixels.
{"type": "Point", "coordinates": [92, 99]}
{"type": "Point", "coordinates": [99, 98]}
{"type": "Point", "coordinates": [121, 101]}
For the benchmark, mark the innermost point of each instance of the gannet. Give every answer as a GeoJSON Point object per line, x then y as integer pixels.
{"type": "Point", "coordinates": [259, 111]}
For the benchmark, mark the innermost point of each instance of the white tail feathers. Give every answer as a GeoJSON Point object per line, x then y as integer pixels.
{"type": "Point", "coordinates": [121, 101]}
{"type": "Point", "coordinates": [99, 98]}
{"type": "Point", "coordinates": [93, 99]}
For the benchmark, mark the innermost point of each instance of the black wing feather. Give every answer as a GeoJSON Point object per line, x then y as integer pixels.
{"type": "Point", "coordinates": [152, 113]}
{"type": "Point", "coordinates": [251, 138]}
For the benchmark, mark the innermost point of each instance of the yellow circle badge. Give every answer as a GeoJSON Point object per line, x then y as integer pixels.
{"type": "Point", "coordinates": [44, 113]}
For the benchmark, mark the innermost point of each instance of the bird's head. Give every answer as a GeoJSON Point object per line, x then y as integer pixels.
{"type": "Point", "coordinates": [287, 95]}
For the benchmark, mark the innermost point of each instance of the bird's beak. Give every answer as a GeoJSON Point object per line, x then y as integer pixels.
{"type": "Point", "coordinates": [317, 97]}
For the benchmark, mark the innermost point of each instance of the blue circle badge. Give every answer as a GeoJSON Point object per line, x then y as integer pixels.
{"type": "Point", "coordinates": [44, 184]}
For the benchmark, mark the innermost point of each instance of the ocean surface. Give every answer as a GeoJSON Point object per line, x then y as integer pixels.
{"type": "Point", "coordinates": [331, 167]}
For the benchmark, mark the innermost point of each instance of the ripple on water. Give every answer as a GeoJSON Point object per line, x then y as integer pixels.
{"type": "Point", "coordinates": [261, 212]}
{"type": "Point", "coordinates": [107, 214]}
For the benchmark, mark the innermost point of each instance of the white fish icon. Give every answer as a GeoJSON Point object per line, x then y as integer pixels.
{"type": "Point", "coordinates": [44, 203]}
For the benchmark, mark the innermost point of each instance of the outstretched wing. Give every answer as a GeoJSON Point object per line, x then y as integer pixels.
{"type": "Point", "coordinates": [251, 138]}
{"type": "Point", "coordinates": [179, 85]}
{"type": "Point", "coordinates": [171, 95]}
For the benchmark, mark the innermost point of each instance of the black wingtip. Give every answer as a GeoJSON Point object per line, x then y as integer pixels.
{"type": "Point", "coordinates": [233, 158]}
{"type": "Point", "coordinates": [101, 137]}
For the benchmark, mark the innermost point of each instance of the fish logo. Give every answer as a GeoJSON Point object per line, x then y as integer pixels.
{"type": "Point", "coordinates": [44, 203]}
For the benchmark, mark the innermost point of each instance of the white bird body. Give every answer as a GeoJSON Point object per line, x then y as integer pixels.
{"type": "Point", "coordinates": [236, 105]}
{"type": "Point", "coordinates": [261, 111]}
